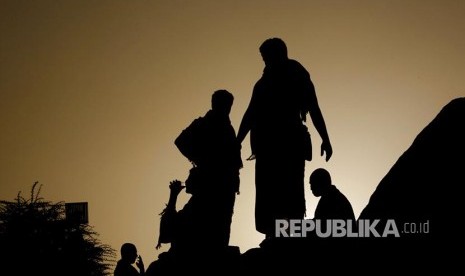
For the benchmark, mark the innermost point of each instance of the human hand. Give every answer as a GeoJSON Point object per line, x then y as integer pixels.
{"type": "Point", "coordinates": [251, 157]}
{"type": "Point", "coordinates": [326, 147]}
{"type": "Point", "coordinates": [140, 263]}
{"type": "Point", "coordinates": [176, 186]}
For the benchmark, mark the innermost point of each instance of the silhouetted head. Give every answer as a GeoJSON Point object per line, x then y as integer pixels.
{"type": "Point", "coordinates": [222, 101]}
{"type": "Point", "coordinates": [273, 51]}
{"type": "Point", "coordinates": [129, 252]}
{"type": "Point", "coordinates": [320, 181]}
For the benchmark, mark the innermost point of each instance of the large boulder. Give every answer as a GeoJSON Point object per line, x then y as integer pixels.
{"type": "Point", "coordinates": [423, 185]}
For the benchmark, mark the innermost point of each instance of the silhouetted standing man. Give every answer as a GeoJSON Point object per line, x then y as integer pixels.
{"type": "Point", "coordinates": [279, 138]}
{"type": "Point", "coordinates": [210, 143]}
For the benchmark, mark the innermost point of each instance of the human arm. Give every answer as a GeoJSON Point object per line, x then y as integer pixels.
{"type": "Point", "coordinates": [140, 265]}
{"type": "Point", "coordinates": [318, 121]}
{"type": "Point", "coordinates": [169, 215]}
{"type": "Point", "coordinates": [189, 142]}
{"type": "Point", "coordinates": [246, 125]}
{"type": "Point", "coordinates": [175, 188]}
{"type": "Point", "coordinates": [248, 120]}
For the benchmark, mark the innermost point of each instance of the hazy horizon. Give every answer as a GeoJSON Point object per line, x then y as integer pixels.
{"type": "Point", "coordinates": [93, 94]}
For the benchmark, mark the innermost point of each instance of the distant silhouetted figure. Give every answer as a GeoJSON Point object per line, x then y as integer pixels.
{"type": "Point", "coordinates": [128, 257]}
{"type": "Point", "coordinates": [333, 204]}
{"type": "Point", "coordinates": [210, 143]}
{"type": "Point", "coordinates": [279, 138]}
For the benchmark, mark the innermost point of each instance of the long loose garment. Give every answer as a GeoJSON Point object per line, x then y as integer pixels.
{"type": "Point", "coordinates": [274, 116]}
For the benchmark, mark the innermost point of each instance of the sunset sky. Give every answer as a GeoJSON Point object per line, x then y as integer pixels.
{"type": "Point", "coordinates": [93, 94]}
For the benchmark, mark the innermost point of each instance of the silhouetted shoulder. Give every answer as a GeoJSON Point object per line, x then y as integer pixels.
{"type": "Point", "coordinates": [297, 66]}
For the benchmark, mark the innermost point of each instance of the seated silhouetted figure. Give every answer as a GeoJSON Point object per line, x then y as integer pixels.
{"type": "Point", "coordinates": [332, 209]}
{"type": "Point", "coordinates": [333, 204]}
{"type": "Point", "coordinates": [128, 257]}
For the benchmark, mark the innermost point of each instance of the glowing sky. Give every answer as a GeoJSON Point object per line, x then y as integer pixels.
{"type": "Point", "coordinates": [93, 94]}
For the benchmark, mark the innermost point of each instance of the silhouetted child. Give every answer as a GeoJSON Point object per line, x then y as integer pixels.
{"type": "Point", "coordinates": [128, 257]}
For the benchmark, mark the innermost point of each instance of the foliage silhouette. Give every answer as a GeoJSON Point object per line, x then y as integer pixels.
{"type": "Point", "coordinates": [36, 238]}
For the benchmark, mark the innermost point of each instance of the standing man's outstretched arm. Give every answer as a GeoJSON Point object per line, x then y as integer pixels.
{"type": "Point", "coordinates": [246, 125]}
{"type": "Point", "coordinates": [319, 123]}
{"type": "Point", "coordinates": [247, 122]}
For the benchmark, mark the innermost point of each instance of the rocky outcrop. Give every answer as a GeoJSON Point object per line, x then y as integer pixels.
{"type": "Point", "coordinates": [424, 184]}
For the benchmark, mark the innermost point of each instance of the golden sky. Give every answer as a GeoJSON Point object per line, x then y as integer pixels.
{"type": "Point", "coordinates": [93, 94]}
